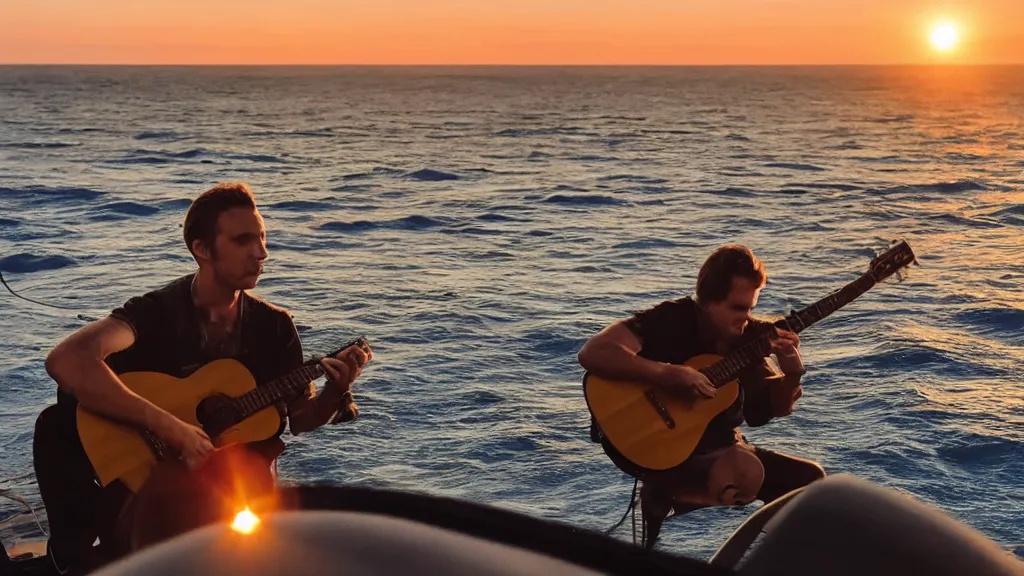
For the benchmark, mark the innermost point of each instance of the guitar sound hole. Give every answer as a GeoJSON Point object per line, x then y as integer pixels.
{"type": "Point", "coordinates": [216, 414]}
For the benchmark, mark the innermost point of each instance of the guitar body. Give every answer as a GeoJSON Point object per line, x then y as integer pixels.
{"type": "Point", "coordinates": [118, 451]}
{"type": "Point", "coordinates": [630, 418]}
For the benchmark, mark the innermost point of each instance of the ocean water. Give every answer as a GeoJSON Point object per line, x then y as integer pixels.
{"type": "Point", "coordinates": [479, 224]}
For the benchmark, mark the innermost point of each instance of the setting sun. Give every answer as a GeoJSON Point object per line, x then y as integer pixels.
{"type": "Point", "coordinates": [944, 37]}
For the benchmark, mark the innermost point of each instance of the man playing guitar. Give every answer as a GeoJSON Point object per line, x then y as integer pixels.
{"type": "Point", "coordinates": [651, 346]}
{"type": "Point", "coordinates": [175, 330]}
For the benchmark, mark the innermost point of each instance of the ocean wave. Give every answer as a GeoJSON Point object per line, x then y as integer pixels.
{"type": "Point", "coordinates": [496, 217]}
{"type": "Point", "coordinates": [429, 175]}
{"type": "Point", "coordinates": [378, 171]}
{"type": "Point", "coordinates": [592, 158]}
{"type": "Point", "coordinates": [732, 192]}
{"type": "Point", "coordinates": [473, 230]}
{"type": "Point", "coordinates": [140, 160]}
{"type": "Point", "coordinates": [532, 132]}
{"type": "Point", "coordinates": [972, 450]}
{"type": "Point", "coordinates": [795, 166]}
{"type": "Point", "coordinates": [39, 145]}
{"type": "Point", "coordinates": [1007, 322]}
{"type": "Point", "coordinates": [584, 200]}
{"type": "Point", "coordinates": [161, 135]}
{"type": "Point", "coordinates": [26, 263]}
{"type": "Point", "coordinates": [647, 243]}
{"type": "Point", "coordinates": [824, 186]}
{"type": "Point", "coordinates": [175, 204]}
{"type": "Point", "coordinates": [303, 205]}
{"type": "Point", "coordinates": [639, 179]}
{"type": "Point", "coordinates": [415, 222]}
{"type": "Point", "coordinates": [914, 358]}
{"type": "Point", "coordinates": [44, 194]}
{"type": "Point", "coordinates": [943, 187]}
{"type": "Point", "coordinates": [961, 220]}
{"type": "Point", "coordinates": [127, 208]}
{"type": "Point", "coordinates": [897, 119]}
{"type": "Point", "coordinates": [848, 145]}
{"type": "Point", "coordinates": [1012, 215]}
{"type": "Point", "coordinates": [268, 158]}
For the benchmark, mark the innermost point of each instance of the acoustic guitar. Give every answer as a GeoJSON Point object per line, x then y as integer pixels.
{"type": "Point", "coordinates": [657, 430]}
{"type": "Point", "coordinates": [221, 397]}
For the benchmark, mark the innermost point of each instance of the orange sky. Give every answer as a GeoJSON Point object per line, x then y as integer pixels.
{"type": "Point", "coordinates": [510, 32]}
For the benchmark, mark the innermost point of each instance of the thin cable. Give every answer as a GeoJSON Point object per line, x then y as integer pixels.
{"type": "Point", "coordinates": [9, 289]}
{"type": "Point", "coordinates": [12, 496]}
{"type": "Point", "coordinates": [632, 505]}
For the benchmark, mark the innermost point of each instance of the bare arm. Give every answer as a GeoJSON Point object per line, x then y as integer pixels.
{"type": "Point", "coordinates": [612, 353]}
{"type": "Point", "coordinates": [77, 366]}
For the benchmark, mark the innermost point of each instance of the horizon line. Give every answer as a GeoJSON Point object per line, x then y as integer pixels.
{"type": "Point", "coordinates": [511, 65]}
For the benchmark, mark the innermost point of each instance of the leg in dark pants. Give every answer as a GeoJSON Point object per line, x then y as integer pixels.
{"type": "Point", "coordinates": [77, 508]}
{"type": "Point", "coordinates": [782, 474]}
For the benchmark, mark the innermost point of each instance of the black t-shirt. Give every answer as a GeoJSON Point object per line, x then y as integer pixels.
{"type": "Point", "coordinates": [170, 337]}
{"type": "Point", "coordinates": [670, 332]}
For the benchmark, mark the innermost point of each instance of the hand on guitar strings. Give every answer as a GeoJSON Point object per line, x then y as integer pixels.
{"type": "Point", "coordinates": [686, 379]}
{"type": "Point", "coordinates": [190, 441]}
{"type": "Point", "coordinates": [344, 368]}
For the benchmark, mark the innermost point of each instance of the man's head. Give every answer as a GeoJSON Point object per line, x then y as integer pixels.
{"type": "Point", "coordinates": [225, 233]}
{"type": "Point", "coordinates": [728, 285]}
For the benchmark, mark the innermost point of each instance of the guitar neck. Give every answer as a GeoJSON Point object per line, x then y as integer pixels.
{"type": "Point", "coordinates": [284, 388]}
{"type": "Point", "coordinates": [799, 321]}
{"type": "Point", "coordinates": [726, 369]}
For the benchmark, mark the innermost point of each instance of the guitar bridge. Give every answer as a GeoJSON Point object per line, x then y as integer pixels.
{"type": "Point", "coordinates": [652, 397]}
{"type": "Point", "coordinates": [158, 446]}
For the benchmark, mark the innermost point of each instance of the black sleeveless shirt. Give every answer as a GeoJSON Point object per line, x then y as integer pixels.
{"type": "Point", "coordinates": [170, 337]}
{"type": "Point", "coordinates": [671, 332]}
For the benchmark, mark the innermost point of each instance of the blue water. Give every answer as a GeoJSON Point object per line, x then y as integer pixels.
{"type": "Point", "coordinates": [478, 225]}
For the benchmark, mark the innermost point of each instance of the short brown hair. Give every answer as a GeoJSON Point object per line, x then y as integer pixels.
{"type": "Point", "coordinates": [714, 282]}
{"type": "Point", "coordinates": [203, 213]}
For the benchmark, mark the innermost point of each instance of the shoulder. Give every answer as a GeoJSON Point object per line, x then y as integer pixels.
{"type": "Point", "coordinates": [669, 313]}
{"type": "Point", "coordinates": [678, 308]}
{"type": "Point", "coordinates": [264, 311]}
{"type": "Point", "coordinates": [152, 304]}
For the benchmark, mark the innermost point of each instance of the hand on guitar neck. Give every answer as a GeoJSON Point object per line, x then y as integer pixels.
{"type": "Point", "coordinates": [343, 368]}
{"type": "Point", "coordinates": [786, 346]}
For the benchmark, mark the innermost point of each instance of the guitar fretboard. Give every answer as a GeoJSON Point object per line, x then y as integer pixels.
{"type": "Point", "coordinates": [829, 304]}
{"type": "Point", "coordinates": [725, 370]}
{"type": "Point", "coordinates": [722, 372]}
{"type": "Point", "coordinates": [272, 392]}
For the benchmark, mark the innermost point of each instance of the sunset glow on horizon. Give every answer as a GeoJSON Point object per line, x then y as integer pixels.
{"type": "Point", "coordinates": [613, 32]}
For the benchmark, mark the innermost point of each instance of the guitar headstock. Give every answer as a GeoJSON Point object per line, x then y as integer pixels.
{"type": "Point", "coordinates": [897, 257]}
